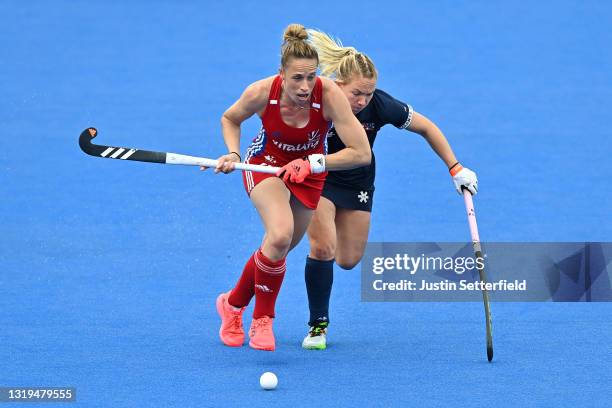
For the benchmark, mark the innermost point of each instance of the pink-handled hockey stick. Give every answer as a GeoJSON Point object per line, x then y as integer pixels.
{"type": "Point", "coordinates": [471, 214]}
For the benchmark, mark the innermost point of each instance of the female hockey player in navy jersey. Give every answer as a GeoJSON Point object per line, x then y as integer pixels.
{"type": "Point", "coordinates": [339, 228]}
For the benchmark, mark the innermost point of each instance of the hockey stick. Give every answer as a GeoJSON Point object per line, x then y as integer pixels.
{"type": "Point", "coordinates": [126, 153]}
{"type": "Point", "coordinates": [471, 214]}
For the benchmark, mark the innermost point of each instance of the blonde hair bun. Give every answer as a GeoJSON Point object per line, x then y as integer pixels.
{"type": "Point", "coordinates": [295, 45]}
{"type": "Point", "coordinates": [295, 32]}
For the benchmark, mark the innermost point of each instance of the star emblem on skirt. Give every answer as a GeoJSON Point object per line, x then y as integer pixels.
{"type": "Point", "coordinates": [363, 197]}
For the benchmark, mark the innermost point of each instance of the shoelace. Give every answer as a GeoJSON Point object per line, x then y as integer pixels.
{"type": "Point", "coordinates": [236, 323]}
{"type": "Point", "coordinates": [260, 323]}
{"type": "Point", "coordinates": [317, 331]}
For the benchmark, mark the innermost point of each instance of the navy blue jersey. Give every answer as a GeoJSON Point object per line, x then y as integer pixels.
{"type": "Point", "coordinates": [382, 109]}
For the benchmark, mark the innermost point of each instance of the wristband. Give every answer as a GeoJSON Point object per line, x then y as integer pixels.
{"type": "Point", "coordinates": [317, 163]}
{"type": "Point", "coordinates": [455, 168]}
{"type": "Point", "coordinates": [236, 153]}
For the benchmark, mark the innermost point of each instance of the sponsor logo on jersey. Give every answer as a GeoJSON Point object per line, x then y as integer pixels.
{"type": "Point", "coordinates": [369, 126]}
{"type": "Point", "coordinates": [311, 144]}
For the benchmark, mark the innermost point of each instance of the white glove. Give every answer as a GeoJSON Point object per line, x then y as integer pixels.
{"type": "Point", "coordinates": [317, 163]}
{"type": "Point", "coordinates": [464, 177]}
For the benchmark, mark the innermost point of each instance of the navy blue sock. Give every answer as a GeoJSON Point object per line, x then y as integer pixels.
{"type": "Point", "coordinates": [319, 277]}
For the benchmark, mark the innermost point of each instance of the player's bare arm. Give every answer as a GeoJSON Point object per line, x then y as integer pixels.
{"type": "Point", "coordinates": [434, 136]}
{"type": "Point", "coordinates": [253, 100]}
{"type": "Point", "coordinates": [337, 109]}
{"type": "Point", "coordinates": [462, 177]}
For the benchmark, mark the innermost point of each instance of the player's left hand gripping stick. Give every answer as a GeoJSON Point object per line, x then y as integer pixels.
{"type": "Point", "coordinates": [297, 170]}
{"type": "Point", "coordinates": [464, 177]}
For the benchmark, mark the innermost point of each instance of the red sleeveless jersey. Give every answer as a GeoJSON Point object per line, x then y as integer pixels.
{"type": "Point", "coordinates": [278, 143]}
{"type": "Point", "coordinates": [283, 142]}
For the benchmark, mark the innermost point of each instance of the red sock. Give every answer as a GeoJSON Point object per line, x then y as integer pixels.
{"type": "Point", "coordinates": [244, 290]}
{"type": "Point", "coordinates": [268, 280]}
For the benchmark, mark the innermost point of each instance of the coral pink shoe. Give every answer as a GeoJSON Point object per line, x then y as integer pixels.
{"type": "Point", "coordinates": [231, 331]}
{"type": "Point", "coordinates": [261, 334]}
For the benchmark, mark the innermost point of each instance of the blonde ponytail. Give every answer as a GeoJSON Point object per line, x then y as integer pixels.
{"type": "Point", "coordinates": [338, 61]}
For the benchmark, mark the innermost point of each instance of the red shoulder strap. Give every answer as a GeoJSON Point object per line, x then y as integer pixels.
{"type": "Point", "coordinates": [317, 94]}
{"type": "Point", "coordinates": [275, 90]}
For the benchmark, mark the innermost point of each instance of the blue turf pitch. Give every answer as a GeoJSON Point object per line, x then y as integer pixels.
{"type": "Point", "coordinates": [109, 270]}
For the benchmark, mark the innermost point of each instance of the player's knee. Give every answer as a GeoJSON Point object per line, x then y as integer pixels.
{"type": "Point", "coordinates": [322, 250]}
{"type": "Point", "coordinates": [347, 261]}
{"type": "Point", "coordinates": [280, 238]}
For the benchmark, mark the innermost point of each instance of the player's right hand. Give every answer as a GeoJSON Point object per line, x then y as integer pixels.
{"type": "Point", "coordinates": [225, 163]}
